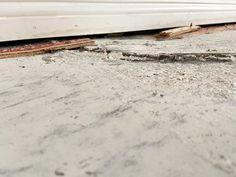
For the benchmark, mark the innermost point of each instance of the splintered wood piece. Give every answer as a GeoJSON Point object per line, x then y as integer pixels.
{"type": "Point", "coordinates": [35, 49]}
{"type": "Point", "coordinates": [164, 35]}
{"type": "Point", "coordinates": [176, 32]}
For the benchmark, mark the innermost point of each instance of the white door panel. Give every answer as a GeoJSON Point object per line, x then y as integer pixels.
{"type": "Point", "coordinates": [26, 19]}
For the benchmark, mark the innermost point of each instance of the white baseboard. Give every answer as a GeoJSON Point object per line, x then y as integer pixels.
{"type": "Point", "coordinates": [48, 18]}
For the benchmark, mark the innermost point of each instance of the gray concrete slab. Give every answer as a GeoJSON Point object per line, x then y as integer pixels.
{"type": "Point", "coordinates": [91, 114]}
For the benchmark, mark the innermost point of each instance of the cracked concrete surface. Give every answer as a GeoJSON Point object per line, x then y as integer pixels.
{"type": "Point", "coordinates": [92, 114]}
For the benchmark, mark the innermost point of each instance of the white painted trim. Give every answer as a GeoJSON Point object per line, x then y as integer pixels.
{"type": "Point", "coordinates": [50, 18]}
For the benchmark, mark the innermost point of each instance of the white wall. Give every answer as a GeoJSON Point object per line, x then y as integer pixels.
{"type": "Point", "coordinates": [21, 19]}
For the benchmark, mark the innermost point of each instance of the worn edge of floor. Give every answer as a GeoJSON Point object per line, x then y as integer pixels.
{"type": "Point", "coordinates": [166, 57]}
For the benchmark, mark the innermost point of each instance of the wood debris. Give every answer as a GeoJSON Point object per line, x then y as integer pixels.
{"type": "Point", "coordinates": [179, 33]}
{"type": "Point", "coordinates": [176, 32]}
{"type": "Point", "coordinates": [49, 47]}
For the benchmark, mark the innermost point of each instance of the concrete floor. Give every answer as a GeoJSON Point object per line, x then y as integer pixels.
{"type": "Point", "coordinates": [103, 112]}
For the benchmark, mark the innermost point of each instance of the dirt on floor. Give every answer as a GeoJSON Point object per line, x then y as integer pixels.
{"type": "Point", "coordinates": [100, 112]}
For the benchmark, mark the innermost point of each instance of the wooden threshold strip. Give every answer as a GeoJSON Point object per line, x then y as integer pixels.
{"type": "Point", "coordinates": [49, 47]}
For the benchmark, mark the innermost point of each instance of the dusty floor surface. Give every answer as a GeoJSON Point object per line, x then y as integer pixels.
{"type": "Point", "coordinates": [98, 114]}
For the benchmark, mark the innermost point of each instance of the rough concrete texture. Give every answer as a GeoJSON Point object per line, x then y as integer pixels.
{"type": "Point", "coordinates": [93, 114]}
{"type": "Point", "coordinates": [223, 42]}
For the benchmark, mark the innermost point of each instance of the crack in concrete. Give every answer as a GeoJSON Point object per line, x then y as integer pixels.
{"type": "Point", "coordinates": [168, 57]}
{"type": "Point", "coordinates": [180, 57]}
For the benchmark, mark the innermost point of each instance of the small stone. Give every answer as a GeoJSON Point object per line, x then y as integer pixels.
{"type": "Point", "coordinates": [58, 172]}
{"type": "Point", "coordinates": [154, 94]}
{"type": "Point", "coordinates": [221, 156]}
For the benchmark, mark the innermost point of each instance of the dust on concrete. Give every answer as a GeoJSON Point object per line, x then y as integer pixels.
{"type": "Point", "coordinates": [94, 114]}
